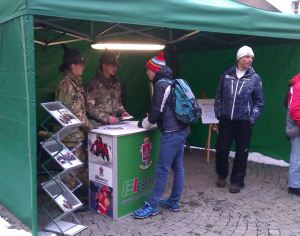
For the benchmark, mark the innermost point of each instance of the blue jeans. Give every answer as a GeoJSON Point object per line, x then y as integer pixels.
{"type": "Point", "coordinates": [293, 132]}
{"type": "Point", "coordinates": [170, 156]}
{"type": "Point", "coordinates": [294, 169]}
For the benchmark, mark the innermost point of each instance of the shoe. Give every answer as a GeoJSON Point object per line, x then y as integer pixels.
{"type": "Point", "coordinates": [221, 183]}
{"type": "Point", "coordinates": [145, 211]}
{"type": "Point", "coordinates": [165, 203]}
{"type": "Point", "coordinates": [234, 188]}
{"type": "Point", "coordinates": [294, 191]}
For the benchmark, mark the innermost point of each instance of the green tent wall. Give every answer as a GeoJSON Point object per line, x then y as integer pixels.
{"type": "Point", "coordinates": [17, 119]}
{"type": "Point", "coordinates": [17, 69]}
{"type": "Point", "coordinates": [275, 63]}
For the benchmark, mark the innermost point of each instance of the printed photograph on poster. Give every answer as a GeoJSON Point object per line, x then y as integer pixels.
{"type": "Point", "coordinates": [100, 149]}
{"type": "Point", "coordinates": [63, 203]}
{"type": "Point", "coordinates": [62, 155]}
{"type": "Point", "coordinates": [61, 113]}
{"type": "Point", "coordinates": [101, 198]}
{"type": "Point", "coordinates": [67, 159]}
{"type": "Point", "coordinates": [61, 195]}
{"type": "Point", "coordinates": [146, 153]}
{"type": "Point", "coordinates": [100, 174]}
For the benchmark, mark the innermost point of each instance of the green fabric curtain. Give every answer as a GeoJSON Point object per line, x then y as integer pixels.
{"type": "Point", "coordinates": [17, 120]}
{"type": "Point", "coordinates": [276, 64]}
{"type": "Point", "coordinates": [131, 73]}
{"type": "Point", "coordinates": [222, 16]}
{"type": "Point", "coordinates": [10, 9]}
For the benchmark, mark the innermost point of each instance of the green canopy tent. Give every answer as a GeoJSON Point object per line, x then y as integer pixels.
{"type": "Point", "coordinates": [17, 66]}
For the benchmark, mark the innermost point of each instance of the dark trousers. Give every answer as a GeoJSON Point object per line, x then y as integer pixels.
{"type": "Point", "coordinates": [240, 133]}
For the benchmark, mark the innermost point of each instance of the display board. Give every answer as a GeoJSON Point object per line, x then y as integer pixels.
{"type": "Point", "coordinates": [122, 160]}
{"type": "Point", "coordinates": [55, 187]}
{"type": "Point", "coordinates": [208, 111]}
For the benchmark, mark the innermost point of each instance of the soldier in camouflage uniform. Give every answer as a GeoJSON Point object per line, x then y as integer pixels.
{"type": "Point", "coordinates": [104, 92]}
{"type": "Point", "coordinates": [239, 102]}
{"type": "Point", "coordinates": [71, 93]}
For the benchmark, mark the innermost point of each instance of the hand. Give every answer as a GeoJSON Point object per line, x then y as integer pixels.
{"type": "Point", "coordinates": [112, 120]}
{"type": "Point", "coordinates": [140, 123]}
{"type": "Point", "coordinates": [124, 114]}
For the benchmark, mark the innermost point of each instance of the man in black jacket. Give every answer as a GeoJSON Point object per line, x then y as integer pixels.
{"type": "Point", "coordinates": [239, 102]}
{"type": "Point", "coordinates": [173, 135]}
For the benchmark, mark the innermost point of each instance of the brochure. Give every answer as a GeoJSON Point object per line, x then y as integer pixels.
{"type": "Point", "coordinates": [61, 114]}
{"type": "Point", "coordinates": [62, 155]}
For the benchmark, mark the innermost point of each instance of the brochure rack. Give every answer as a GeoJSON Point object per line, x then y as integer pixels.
{"type": "Point", "coordinates": [55, 188]}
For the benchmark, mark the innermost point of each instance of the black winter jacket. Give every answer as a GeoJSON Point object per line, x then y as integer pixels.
{"type": "Point", "coordinates": [166, 119]}
{"type": "Point", "coordinates": [239, 99]}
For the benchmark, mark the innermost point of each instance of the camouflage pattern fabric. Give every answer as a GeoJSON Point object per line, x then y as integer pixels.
{"type": "Point", "coordinates": [71, 93]}
{"type": "Point", "coordinates": [103, 98]}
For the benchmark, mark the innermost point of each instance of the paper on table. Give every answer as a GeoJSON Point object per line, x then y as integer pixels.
{"type": "Point", "coordinates": [114, 126]}
{"type": "Point", "coordinates": [125, 118]}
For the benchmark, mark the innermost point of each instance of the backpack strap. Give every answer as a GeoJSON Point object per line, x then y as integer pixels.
{"type": "Point", "coordinates": [166, 94]}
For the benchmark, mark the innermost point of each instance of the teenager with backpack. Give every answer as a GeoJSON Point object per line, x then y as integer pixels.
{"type": "Point", "coordinates": [238, 103]}
{"type": "Point", "coordinates": [173, 135]}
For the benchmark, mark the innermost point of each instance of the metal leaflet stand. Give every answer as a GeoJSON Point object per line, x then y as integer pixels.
{"type": "Point", "coordinates": [55, 188]}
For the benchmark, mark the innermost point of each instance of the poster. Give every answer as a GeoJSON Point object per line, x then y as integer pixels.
{"type": "Point", "coordinates": [100, 149]}
{"type": "Point", "coordinates": [101, 198]}
{"type": "Point", "coordinates": [208, 111]}
{"type": "Point", "coordinates": [101, 174]}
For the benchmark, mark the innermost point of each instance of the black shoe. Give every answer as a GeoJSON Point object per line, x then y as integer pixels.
{"type": "Point", "coordinates": [234, 188]}
{"type": "Point", "coordinates": [294, 191]}
{"type": "Point", "coordinates": [221, 183]}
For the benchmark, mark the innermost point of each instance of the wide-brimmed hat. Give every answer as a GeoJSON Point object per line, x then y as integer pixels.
{"type": "Point", "coordinates": [71, 56]}
{"type": "Point", "coordinates": [108, 57]}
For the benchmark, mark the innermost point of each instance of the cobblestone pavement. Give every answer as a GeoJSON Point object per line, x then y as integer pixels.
{"type": "Point", "coordinates": [12, 220]}
{"type": "Point", "coordinates": [263, 207]}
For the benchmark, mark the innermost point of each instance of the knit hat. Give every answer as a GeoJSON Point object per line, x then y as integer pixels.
{"type": "Point", "coordinates": [156, 63]}
{"type": "Point", "coordinates": [244, 51]}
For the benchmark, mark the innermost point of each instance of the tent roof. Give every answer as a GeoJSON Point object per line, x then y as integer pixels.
{"type": "Point", "coordinates": [223, 16]}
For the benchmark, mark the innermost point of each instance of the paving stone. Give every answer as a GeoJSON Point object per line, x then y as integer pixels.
{"type": "Point", "coordinates": [263, 207]}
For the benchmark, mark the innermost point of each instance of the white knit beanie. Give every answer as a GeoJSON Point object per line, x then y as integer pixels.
{"type": "Point", "coordinates": [244, 51]}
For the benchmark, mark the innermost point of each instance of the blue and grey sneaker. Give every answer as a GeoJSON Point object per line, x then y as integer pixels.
{"type": "Point", "coordinates": [145, 211]}
{"type": "Point", "coordinates": [166, 203]}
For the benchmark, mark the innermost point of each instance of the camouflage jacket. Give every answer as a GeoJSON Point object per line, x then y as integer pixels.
{"type": "Point", "coordinates": [103, 98]}
{"type": "Point", "coordinates": [71, 93]}
{"type": "Point", "coordinates": [239, 99]}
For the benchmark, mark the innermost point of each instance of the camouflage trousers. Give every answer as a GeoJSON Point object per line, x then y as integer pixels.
{"type": "Point", "coordinates": [80, 172]}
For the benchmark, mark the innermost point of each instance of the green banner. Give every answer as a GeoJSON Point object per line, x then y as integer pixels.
{"type": "Point", "coordinates": [137, 156]}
